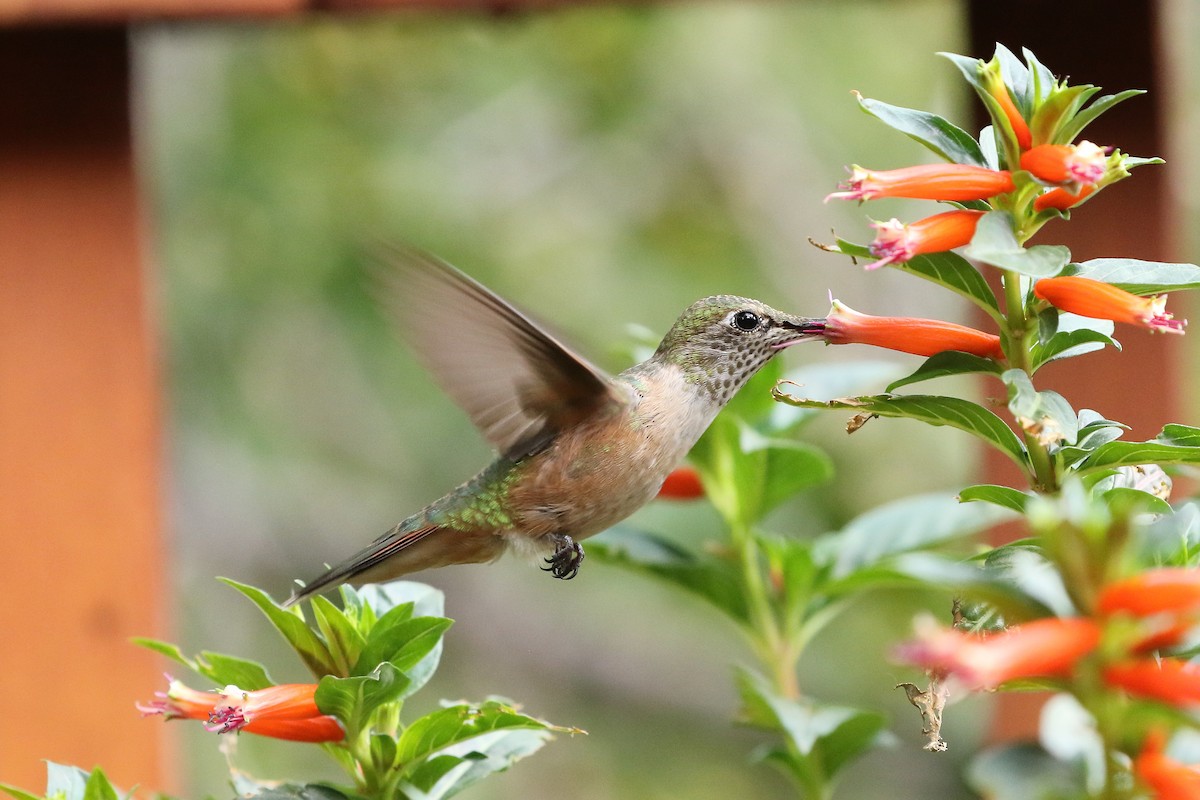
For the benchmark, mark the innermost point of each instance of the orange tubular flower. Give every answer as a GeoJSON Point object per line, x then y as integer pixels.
{"type": "Point", "coordinates": [1080, 164]}
{"type": "Point", "coordinates": [682, 483]}
{"type": "Point", "coordinates": [1170, 680]}
{"type": "Point", "coordinates": [959, 182]}
{"type": "Point", "coordinates": [1089, 298]}
{"type": "Point", "coordinates": [1043, 648]}
{"type": "Point", "coordinates": [896, 242]}
{"type": "Point", "coordinates": [1062, 199]}
{"type": "Point", "coordinates": [1169, 779]}
{"type": "Point", "coordinates": [1155, 591]}
{"type": "Point", "coordinates": [287, 711]}
{"type": "Point", "coordinates": [921, 337]}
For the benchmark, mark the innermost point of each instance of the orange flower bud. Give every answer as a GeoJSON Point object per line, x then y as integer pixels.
{"type": "Point", "coordinates": [682, 483]}
{"type": "Point", "coordinates": [896, 242]}
{"type": "Point", "coordinates": [1170, 680]}
{"type": "Point", "coordinates": [921, 337]}
{"type": "Point", "coordinates": [1169, 779]}
{"type": "Point", "coordinates": [1020, 128]}
{"type": "Point", "coordinates": [1099, 300]}
{"type": "Point", "coordinates": [1155, 591]}
{"type": "Point", "coordinates": [1062, 199]}
{"type": "Point", "coordinates": [959, 182]}
{"type": "Point", "coordinates": [1076, 165]}
{"type": "Point", "coordinates": [1042, 648]}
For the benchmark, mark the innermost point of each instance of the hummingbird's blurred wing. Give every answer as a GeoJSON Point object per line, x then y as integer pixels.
{"type": "Point", "coordinates": [518, 384]}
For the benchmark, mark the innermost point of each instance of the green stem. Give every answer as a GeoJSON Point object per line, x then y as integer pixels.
{"type": "Point", "coordinates": [769, 641]}
{"type": "Point", "coordinates": [1020, 337]}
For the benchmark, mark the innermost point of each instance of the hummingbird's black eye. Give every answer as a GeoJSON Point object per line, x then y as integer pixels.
{"type": "Point", "coordinates": [745, 320]}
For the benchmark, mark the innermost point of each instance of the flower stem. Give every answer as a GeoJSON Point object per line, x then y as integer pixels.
{"type": "Point", "coordinates": [1020, 335]}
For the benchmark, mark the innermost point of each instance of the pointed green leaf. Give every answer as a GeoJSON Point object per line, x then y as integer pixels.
{"type": "Point", "coordinates": [995, 243]}
{"type": "Point", "coordinates": [951, 411]}
{"type": "Point", "coordinates": [945, 139]}
{"type": "Point", "coordinates": [290, 623]}
{"type": "Point", "coordinates": [1139, 277]}
{"type": "Point", "coordinates": [1041, 78]}
{"type": "Point", "coordinates": [413, 646]}
{"type": "Point", "coordinates": [460, 723]}
{"type": "Point", "coordinates": [708, 577]}
{"type": "Point", "coordinates": [352, 700]}
{"type": "Point", "coordinates": [98, 787]}
{"type": "Point", "coordinates": [425, 600]}
{"type": "Point", "coordinates": [913, 523]}
{"type": "Point", "coordinates": [224, 670]}
{"type": "Point", "coordinates": [476, 759]}
{"type": "Point", "coordinates": [947, 269]}
{"type": "Point", "coordinates": [950, 362]}
{"type": "Point", "coordinates": [16, 793]}
{"type": "Point", "coordinates": [1075, 335]}
{"type": "Point", "coordinates": [1003, 496]}
{"type": "Point", "coordinates": [1070, 131]}
{"type": "Point", "coordinates": [830, 735]}
{"type": "Point", "coordinates": [1177, 444]}
{"type": "Point", "coordinates": [342, 640]}
{"type": "Point", "coordinates": [827, 380]}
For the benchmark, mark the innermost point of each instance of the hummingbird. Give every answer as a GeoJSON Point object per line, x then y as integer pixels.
{"type": "Point", "coordinates": [578, 450]}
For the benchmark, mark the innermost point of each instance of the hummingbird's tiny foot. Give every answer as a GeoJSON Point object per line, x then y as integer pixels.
{"type": "Point", "coordinates": [568, 555]}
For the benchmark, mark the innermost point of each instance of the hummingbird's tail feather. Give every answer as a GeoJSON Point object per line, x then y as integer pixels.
{"type": "Point", "coordinates": [382, 549]}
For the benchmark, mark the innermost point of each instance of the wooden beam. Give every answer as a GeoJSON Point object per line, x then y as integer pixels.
{"type": "Point", "coordinates": [80, 464]}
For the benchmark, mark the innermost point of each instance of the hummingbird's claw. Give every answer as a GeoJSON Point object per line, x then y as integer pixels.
{"type": "Point", "coordinates": [568, 555]}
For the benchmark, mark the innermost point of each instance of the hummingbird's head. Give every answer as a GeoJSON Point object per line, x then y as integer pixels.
{"type": "Point", "coordinates": [719, 342]}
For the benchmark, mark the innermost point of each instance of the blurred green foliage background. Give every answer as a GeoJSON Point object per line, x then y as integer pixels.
{"type": "Point", "coordinates": [602, 167]}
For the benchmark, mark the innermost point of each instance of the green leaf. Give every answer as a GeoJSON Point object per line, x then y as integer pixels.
{"type": "Point", "coordinates": [950, 362]}
{"type": "Point", "coordinates": [947, 269]}
{"type": "Point", "coordinates": [708, 577]}
{"type": "Point", "coordinates": [98, 787]}
{"type": "Point", "coordinates": [1003, 496]}
{"type": "Point", "coordinates": [1139, 277]}
{"type": "Point", "coordinates": [902, 526]}
{"type": "Point", "coordinates": [1075, 335]}
{"type": "Point", "coordinates": [1026, 569]}
{"type": "Point", "coordinates": [16, 793]}
{"type": "Point", "coordinates": [473, 760]}
{"type": "Point", "coordinates": [220, 668]}
{"type": "Point", "coordinates": [995, 243]}
{"type": "Point", "coordinates": [945, 139]}
{"type": "Point", "coordinates": [352, 700]}
{"type": "Point", "coordinates": [747, 474]}
{"type": "Point", "coordinates": [413, 646]}
{"type": "Point", "coordinates": [1024, 771]}
{"type": "Point", "coordinates": [381, 598]}
{"type": "Point", "coordinates": [1177, 444]}
{"type": "Point", "coordinates": [288, 791]}
{"type": "Point", "coordinates": [459, 723]}
{"type": "Point", "coordinates": [225, 670]}
{"type": "Point", "coordinates": [341, 638]}
{"type": "Point", "coordinates": [1070, 131]}
{"type": "Point", "coordinates": [1046, 414]}
{"type": "Point", "coordinates": [290, 623]}
{"type": "Point", "coordinates": [934, 410]}
{"type": "Point", "coordinates": [831, 736]}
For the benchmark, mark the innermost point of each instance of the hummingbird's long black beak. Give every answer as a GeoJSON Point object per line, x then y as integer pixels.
{"type": "Point", "coordinates": [806, 328]}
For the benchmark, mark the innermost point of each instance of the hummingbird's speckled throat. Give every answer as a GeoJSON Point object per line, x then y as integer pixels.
{"type": "Point", "coordinates": [579, 450]}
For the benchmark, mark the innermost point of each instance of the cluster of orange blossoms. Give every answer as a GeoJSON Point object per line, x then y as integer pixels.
{"type": "Point", "coordinates": [286, 711]}
{"type": "Point", "coordinates": [1068, 173]}
{"type": "Point", "coordinates": [1133, 618]}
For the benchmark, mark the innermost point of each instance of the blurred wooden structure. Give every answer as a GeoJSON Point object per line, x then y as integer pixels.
{"type": "Point", "coordinates": [80, 382]}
